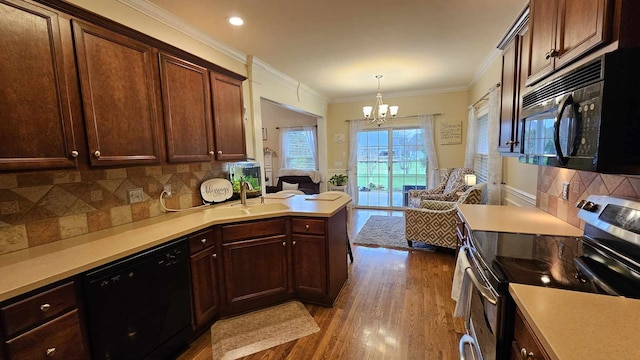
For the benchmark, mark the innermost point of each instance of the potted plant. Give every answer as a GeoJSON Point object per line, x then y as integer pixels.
{"type": "Point", "coordinates": [338, 182]}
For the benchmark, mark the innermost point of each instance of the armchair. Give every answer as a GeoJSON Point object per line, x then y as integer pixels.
{"type": "Point", "coordinates": [446, 191]}
{"type": "Point", "coordinates": [435, 221]}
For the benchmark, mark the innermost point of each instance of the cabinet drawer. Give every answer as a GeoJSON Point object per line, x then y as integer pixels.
{"type": "Point", "coordinates": [58, 339]}
{"type": "Point", "coordinates": [38, 308]}
{"type": "Point", "coordinates": [308, 226]}
{"type": "Point", "coordinates": [201, 240]}
{"type": "Point", "coordinates": [253, 230]}
{"type": "Point", "coordinates": [525, 340]}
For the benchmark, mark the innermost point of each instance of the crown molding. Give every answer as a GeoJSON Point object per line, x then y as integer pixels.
{"type": "Point", "coordinates": [493, 55]}
{"type": "Point", "coordinates": [284, 80]}
{"type": "Point", "coordinates": [176, 23]}
{"type": "Point", "coordinates": [400, 94]}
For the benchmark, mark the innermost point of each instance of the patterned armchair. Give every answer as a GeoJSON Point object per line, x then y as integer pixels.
{"type": "Point", "coordinates": [446, 191]}
{"type": "Point", "coordinates": [434, 222]}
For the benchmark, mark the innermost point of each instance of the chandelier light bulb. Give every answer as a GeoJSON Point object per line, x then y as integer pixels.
{"type": "Point", "coordinates": [366, 110]}
{"type": "Point", "coordinates": [382, 110]}
{"type": "Point", "coordinates": [378, 112]}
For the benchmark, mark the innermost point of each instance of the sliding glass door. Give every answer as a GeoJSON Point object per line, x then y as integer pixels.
{"type": "Point", "coordinates": [390, 162]}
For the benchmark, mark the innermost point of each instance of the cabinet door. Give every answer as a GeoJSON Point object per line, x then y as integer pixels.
{"type": "Point", "coordinates": [542, 27]}
{"type": "Point", "coordinates": [582, 25]}
{"type": "Point", "coordinates": [37, 89]}
{"type": "Point", "coordinates": [230, 139]}
{"type": "Point", "coordinates": [186, 102]}
{"type": "Point", "coordinates": [310, 264]}
{"type": "Point", "coordinates": [509, 90]}
{"type": "Point", "coordinates": [118, 84]}
{"type": "Point", "coordinates": [204, 280]}
{"type": "Point", "coordinates": [255, 269]}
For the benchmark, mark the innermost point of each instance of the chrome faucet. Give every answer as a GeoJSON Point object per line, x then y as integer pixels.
{"type": "Point", "coordinates": [244, 186]}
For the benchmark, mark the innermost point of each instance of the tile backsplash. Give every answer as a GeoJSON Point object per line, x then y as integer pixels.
{"type": "Point", "coordinates": [581, 185]}
{"type": "Point", "coordinates": [42, 207]}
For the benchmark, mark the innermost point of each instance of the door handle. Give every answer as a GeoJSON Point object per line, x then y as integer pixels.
{"type": "Point", "coordinates": [464, 340]}
{"type": "Point", "coordinates": [556, 130]}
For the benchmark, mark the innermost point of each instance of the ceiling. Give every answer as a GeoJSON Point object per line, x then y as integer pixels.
{"type": "Point", "coordinates": [336, 47]}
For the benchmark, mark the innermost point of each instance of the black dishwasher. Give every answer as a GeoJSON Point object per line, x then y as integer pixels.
{"type": "Point", "coordinates": [139, 307]}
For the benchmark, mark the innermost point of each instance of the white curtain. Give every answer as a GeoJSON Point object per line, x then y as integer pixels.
{"type": "Point", "coordinates": [472, 134]}
{"type": "Point", "coordinates": [494, 185]}
{"type": "Point", "coordinates": [352, 166]}
{"type": "Point", "coordinates": [284, 148]}
{"type": "Point", "coordinates": [310, 134]}
{"type": "Point", "coordinates": [426, 123]}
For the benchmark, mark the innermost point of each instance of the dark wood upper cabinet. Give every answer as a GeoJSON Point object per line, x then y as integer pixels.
{"type": "Point", "coordinates": [186, 103]}
{"type": "Point", "coordinates": [563, 30]}
{"type": "Point", "coordinates": [37, 90]}
{"type": "Point", "coordinates": [509, 95]}
{"type": "Point", "coordinates": [228, 110]}
{"type": "Point", "coordinates": [118, 78]}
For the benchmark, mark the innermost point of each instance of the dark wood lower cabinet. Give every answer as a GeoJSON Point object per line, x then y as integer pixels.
{"type": "Point", "coordinates": [205, 284]}
{"type": "Point", "coordinates": [525, 344]}
{"type": "Point", "coordinates": [256, 272]}
{"type": "Point", "coordinates": [44, 324]}
{"type": "Point", "coordinates": [57, 339]}
{"type": "Point", "coordinates": [310, 267]}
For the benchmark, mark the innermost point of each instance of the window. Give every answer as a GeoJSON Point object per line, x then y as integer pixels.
{"type": "Point", "coordinates": [481, 165]}
{"type": "Point", "coordinates": [299, 148]}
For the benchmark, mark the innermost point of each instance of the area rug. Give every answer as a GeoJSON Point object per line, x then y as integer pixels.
{"type": "Point", "coordinates": [387, 232]}
{"type": "Point", "coordinates": [259, 330]}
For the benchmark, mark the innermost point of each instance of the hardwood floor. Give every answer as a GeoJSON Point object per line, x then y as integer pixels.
{"type": "Point", "coordinates": [395, 305]}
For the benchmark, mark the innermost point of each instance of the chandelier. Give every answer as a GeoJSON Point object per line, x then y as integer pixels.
{"type": "Point", "coordinates": [377, 114]}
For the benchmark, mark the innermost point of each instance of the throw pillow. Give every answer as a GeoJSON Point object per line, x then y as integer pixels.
{"type": "Point", "coordinates": [287, 186]}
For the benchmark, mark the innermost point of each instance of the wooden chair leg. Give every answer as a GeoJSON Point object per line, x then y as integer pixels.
{"type": "Point", "coordinates": [410, 243]}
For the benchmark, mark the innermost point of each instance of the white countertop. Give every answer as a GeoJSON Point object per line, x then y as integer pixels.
{"type": "Point", "coordinates": [516, 219]}
{"type": "Point", "coordinates": [31, 268]}
{"type": "Point", "coordinates": [576, 325]}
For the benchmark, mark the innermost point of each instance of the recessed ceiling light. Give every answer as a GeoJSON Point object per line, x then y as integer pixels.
{"type": "Point", "coordinates": [236, 21]}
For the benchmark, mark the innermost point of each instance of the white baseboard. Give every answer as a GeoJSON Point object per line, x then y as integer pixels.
{"type": "Point", "coordinates": [517, 197]}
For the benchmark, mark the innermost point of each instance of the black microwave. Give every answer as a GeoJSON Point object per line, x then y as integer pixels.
{"type": "Point", "coordinates": [587, 119]}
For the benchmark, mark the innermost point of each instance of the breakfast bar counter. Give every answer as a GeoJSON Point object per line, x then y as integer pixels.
{"type": "Point", "coordinates": [515, 219]}
{"type": "Point", "coordinates": [32, 268]}
{"type": "Point", "coordinates": [577, 325]}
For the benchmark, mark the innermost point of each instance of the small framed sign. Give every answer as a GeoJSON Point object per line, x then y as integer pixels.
{"type": "Point", "coordinates": [451, 132]}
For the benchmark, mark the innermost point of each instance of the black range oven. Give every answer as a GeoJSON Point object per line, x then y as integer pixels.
{"type": "Point", "coordinates": [605, 260]}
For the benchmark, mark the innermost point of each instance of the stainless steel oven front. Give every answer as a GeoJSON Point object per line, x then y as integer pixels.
{"type": "Point", "coordinates": [486, 310]}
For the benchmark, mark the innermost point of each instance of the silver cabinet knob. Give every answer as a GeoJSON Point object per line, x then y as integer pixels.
{"type": "Point", "coordinates": [551, 53]}
{"type": "Point", "coordinates": [51, 351]}
{"type": "Point", "coordinates": [203, 241]}
{"type": "Point", "coordinates": [307, 227]}
{"type": "Point", "coordinates": [74, 153]}
{"type": "Point", "coordinates": [97, 153]}
{"type": "Point", "coordinates": [294, 242]}
{"type": "Point", "coordinates": [211, 152]}
{"type": "Point", "coordinates": [219, 152]}
{"type": "Point", "coordinates": [526, 354]}
{"type": "Point", "coordinates": [214, 256]}
{"type": "Point", "coordinates": [45, 307]}
{"type": "Point", "coordinates": [284, 243]}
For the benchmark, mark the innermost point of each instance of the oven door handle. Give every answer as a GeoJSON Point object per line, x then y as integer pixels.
{"type": "Point", "coordinates": [586, 271]}
{"type": "Point", "coordinates": [468, 268]}
{"type": "Point", "coordinates": [467, 339]}
{"type": "Point", "coordinates": [484, 290]}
